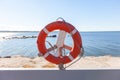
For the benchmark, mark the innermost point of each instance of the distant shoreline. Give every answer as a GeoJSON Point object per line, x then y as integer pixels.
{"type": "Point", "coordinates": [19, 31]}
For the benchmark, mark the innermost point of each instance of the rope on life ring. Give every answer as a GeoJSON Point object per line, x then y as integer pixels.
{"type": "Point", "coordinates": [64, 28]}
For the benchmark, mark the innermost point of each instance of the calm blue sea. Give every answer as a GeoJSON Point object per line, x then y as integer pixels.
{"type": "Point", "coordinates": [94, 43]}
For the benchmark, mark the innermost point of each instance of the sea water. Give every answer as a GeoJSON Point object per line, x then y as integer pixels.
{"type": "Point", "coordinates": [25, 43]}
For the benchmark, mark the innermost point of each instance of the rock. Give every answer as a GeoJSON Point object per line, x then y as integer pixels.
{"type": "Point", "coordinates": [7, 57]}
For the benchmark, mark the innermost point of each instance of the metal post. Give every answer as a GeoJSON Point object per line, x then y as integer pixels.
{"type": "Point", "coordinates": [61, 66]}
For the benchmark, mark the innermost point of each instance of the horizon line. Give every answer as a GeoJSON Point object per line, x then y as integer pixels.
{"type": "Point", "coordinates": [39, 31]}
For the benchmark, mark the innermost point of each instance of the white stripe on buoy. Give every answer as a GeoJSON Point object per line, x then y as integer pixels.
{"type": "Point", "coordinates": [70, 57]}
{"type": "Point", "coordinates": [46, 55]}
{"type": "Point", "coordinates": [73, 32]}
{"type": "Point", "coordinates": [45, 30]}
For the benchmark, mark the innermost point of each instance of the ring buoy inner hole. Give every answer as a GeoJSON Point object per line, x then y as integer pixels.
{"type": "Point", "coordinates": [51, 42]}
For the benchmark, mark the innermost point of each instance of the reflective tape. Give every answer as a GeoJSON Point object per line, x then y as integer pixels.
{"type": "Point", "coordinates": [46, 55]}
{"type": "Point", "coordinates": [70, 57]}
{"type": "Point", "coordinates": [73, 32]}
{"type": "Point", "coordinates": [45, 30]}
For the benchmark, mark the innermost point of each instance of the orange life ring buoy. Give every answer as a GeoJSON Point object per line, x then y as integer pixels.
{"type": "Point", "coordinates": [64, 26]}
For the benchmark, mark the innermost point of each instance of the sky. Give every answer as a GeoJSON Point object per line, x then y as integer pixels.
{"type": "Point", "coordinates": [85, 15]}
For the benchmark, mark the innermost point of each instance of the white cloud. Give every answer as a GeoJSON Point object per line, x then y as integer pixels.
{"type": "Point", "coordinates": [98, 28]}
{"type": "Point", "coordinates": [20, 28]}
